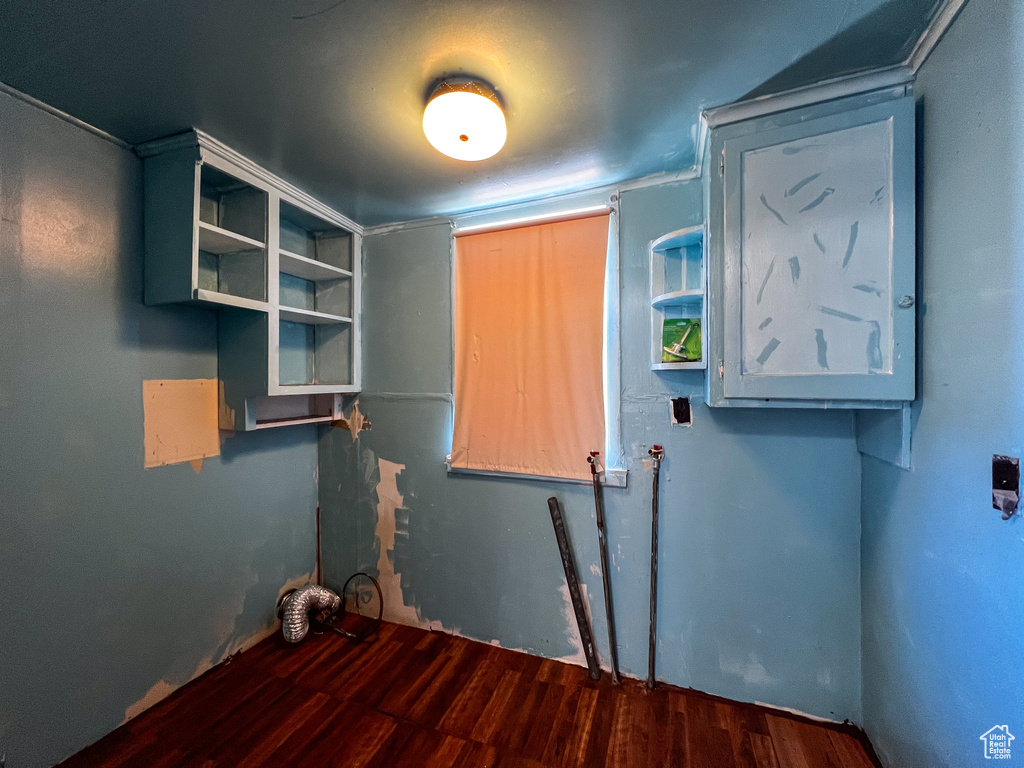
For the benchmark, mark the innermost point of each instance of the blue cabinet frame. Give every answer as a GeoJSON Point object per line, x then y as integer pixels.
{"type": "Point", "coordinates": [812, 256]}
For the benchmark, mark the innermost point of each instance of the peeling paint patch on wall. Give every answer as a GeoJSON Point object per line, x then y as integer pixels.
{"type": "Point", "coordinates": [154, 695]}
{"type": "Point", "coordinates": [355, 423]}
{"type": "Point", "coordinates": [228, 646]}
{"type": "Point", "coordinates": [181, 421]}
{"type": "Point", "coordinates": [390, 509]}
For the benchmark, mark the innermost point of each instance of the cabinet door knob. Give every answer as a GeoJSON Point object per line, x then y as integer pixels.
{"type": "Point", "coordinates": [906, 302]}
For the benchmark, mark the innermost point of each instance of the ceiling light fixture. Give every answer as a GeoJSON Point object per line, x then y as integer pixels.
{"type": "Point", "coordinates": [464, 119]}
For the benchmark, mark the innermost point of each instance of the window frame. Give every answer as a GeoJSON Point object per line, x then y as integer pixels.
{"type": "Point", "coordinates": [614, 473]}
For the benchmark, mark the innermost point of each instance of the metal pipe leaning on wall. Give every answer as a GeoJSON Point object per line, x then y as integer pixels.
{"type": "Point", "coordinates": [296, 606]}
{"type": "Point", "coordinates": [657, 453]}
{"type": "Point", "coordinates": [606, 576]}
{"type": "Point", "coordinates": [573, 581]}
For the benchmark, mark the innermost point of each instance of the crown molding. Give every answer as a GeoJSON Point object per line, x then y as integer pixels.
{"type": "Point", "coordinates": [206, 143]}
{"type": "Point", "coordinates": [829, 90]}
{"type": "Point", "coordinates": [937, 27]}
{"type": "Point", "coordinates": [32, 101]}
{"type": "Point", "coordinates": [608, 190]}
{"type": "Point", "coordinates": [882, 78]}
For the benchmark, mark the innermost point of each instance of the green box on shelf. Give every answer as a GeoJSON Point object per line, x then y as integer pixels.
{"type": "Point", "coordinates": [680, 340]}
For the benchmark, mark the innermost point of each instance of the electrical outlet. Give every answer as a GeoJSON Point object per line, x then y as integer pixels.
{"type": "Point", "coordinates": [1005, 484]}
{"type": "Point", "coordinates": [681, 413]}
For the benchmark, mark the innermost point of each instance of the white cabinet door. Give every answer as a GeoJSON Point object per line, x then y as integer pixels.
{"type": "Point", "coordinates": [819, 258]}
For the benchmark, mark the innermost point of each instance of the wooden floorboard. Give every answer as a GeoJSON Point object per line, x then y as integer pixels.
{"type": "Point", "coordinates": [416, 699]}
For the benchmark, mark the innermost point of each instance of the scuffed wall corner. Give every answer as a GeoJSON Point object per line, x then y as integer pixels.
{"type": "Point", "coordinates": [231, 639]}
{"type": "Point", "coordinates": [355, 422]}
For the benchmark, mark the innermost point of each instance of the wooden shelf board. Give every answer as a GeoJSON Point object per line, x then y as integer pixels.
{"type": "Point", "coordinates": [296, 315]}
{"type": "Point", "coordinates": [220, 241]}
{"type": "Point", "coordinates": [678, 298]}
{"type": "Point", "coordinates": [315, 389]}
{"type": "Point", "coordinates": [681, 237]}
{"type": "Point", "coordinates": [691, 366]}
{"type": "Point", "coordinates": [297, 420]}
{"type": "Point", "coordinates": [227, 300]}
{"type": "Point", "coordinates": [309, 269]}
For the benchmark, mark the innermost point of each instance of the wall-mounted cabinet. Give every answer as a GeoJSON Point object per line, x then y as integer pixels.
{"type": "Point", "coordinates": [812, 256]}
{"type": "Point", "coordinates": [677, 300]}
{"type": "Point", "coordinates": [283, 268]}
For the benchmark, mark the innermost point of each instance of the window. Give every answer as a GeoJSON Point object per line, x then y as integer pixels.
{"type": "Point", "coordinates": [531, 347]}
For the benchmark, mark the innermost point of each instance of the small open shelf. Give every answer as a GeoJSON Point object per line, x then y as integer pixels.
{"type": "Point", "coordinates": [310, 269]}
{"type": "Point", "coordinates": [313, 239]}
{"type": "Point", "coordinates": [681, 238]}
{"type": "Point", "coordinates": [677, 301]}
{"type": "Point", "coordinates": [697, 365]}
{"type": "Point", "coordinates": [316, 302]}
{"type": "Point", "coordinates": [232, 232]}
{"type": "Point", "coordinates": [213, 239]}
{"type": "Point", "coordinates": [240, 274]}
{"type": "Point", "coordinates": [295, 315]}
{"type": "Point", "coordinates": [678, 298]}
{"type": "Point", "coordinates": [229, 204]}
{"type": "Point", "coordinates": [227, 300]}
{"type": "Point", "coordinates": [282, 410]}
{"type": "Point", "coordinates": [314, 354]}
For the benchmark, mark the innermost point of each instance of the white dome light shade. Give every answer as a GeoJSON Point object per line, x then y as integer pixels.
{"type": "Point", "coordinates": [465, 121]}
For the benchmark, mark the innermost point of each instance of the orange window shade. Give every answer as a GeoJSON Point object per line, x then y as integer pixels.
{"type": "Point", "coordinates": [529, 320]}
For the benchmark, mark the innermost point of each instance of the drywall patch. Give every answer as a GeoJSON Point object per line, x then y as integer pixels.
{"type": "Point", "coordinates": [390, 504]}
{"type": "Point", "coordinates": [181, 421]}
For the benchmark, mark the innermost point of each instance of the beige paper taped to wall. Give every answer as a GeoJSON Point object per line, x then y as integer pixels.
{"type": "Point", "coordinates": [181, 421]}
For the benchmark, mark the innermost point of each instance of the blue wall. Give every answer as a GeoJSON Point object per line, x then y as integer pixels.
{"type": "Point", "coordinates": [116, 581]}
{"type": "Point", "coordinates": [760, 568]}
{"type": "Point", "coordinates": [943, 593]}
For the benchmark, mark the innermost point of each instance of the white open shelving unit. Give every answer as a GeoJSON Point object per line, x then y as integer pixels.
{"type": "Point", "coordinates": [678, 289]}
{"type": "Point", "coordinates": [283, 268]}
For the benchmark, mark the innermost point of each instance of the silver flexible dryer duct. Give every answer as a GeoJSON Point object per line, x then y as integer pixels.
{"type": "Point", "coordinates": [296, 607]}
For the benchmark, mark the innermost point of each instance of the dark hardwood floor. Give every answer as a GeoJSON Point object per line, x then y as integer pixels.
{"type": "Point", "coordinates": [416, 699]}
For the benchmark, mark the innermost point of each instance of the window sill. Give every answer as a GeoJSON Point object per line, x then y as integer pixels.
{"type": "Point", "coordinates": [611, 478]}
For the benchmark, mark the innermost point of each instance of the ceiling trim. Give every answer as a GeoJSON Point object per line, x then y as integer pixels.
{"type": "Point", "coordinates": [665, 178]}
{"type": "Point", "coordinates": [846, 85]}
{"type": "Point", "coordinates": [207, 142]}
{"type": "Point", "coordinates": [62, 115]}
{"type": "Point", "coordinates": [452, 219]}
{"type": "Point", "coordinates": [941, 22]}
{"type": "Point", "coordinates": [828, 90]}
